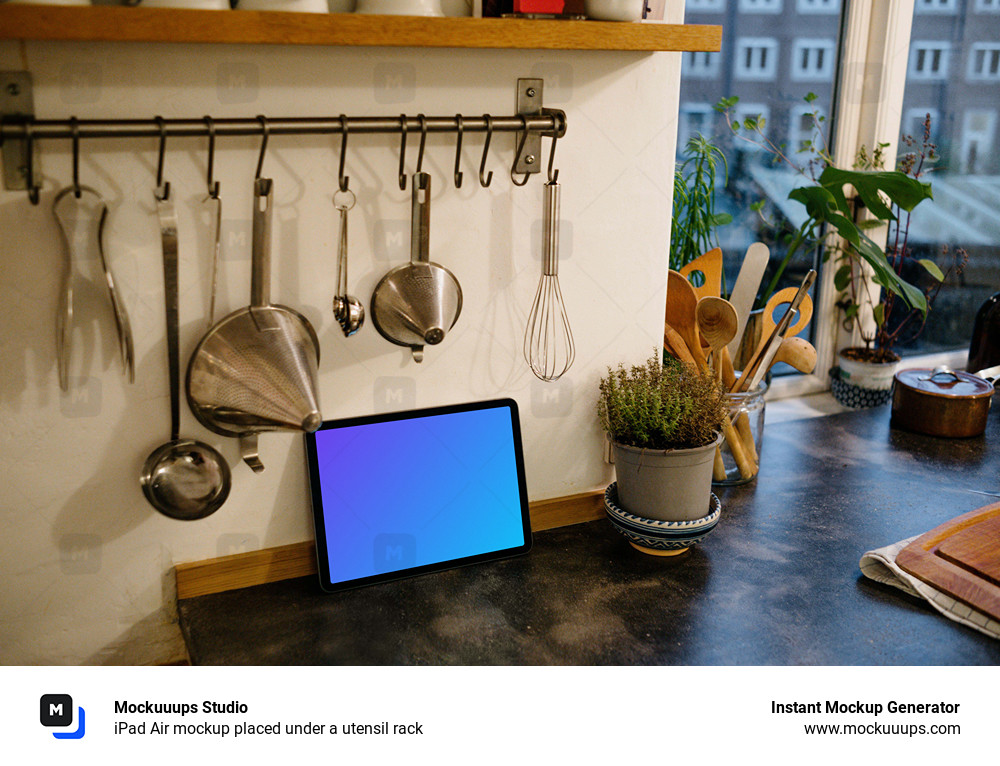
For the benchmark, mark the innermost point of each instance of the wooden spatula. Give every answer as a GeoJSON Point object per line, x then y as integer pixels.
{"type": "Point", "coordinates": [710, 266]}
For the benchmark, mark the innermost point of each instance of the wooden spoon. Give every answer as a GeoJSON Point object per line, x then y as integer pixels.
{"type": "Point", "coordinates": [797, 352]}
{"type": "Point", "coordinates": [682, 305]}
{"type": "Point", "coordinates": [717, 322]}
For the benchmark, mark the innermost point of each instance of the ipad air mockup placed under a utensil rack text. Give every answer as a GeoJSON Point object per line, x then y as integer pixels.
{"type": "Point", "coordinates": [406, 493]}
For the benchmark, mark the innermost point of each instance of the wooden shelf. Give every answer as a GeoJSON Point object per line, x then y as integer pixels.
{"type": "Point", "coordinates": [177, 25]}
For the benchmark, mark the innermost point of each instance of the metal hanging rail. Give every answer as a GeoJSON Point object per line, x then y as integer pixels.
{"type": "Point", "coordinates": [20, 132]}
{"type": "Point", "coordinates": [552, 123]}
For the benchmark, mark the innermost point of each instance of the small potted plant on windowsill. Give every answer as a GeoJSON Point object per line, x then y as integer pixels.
{"type": "Point", "coordinates": [872, 279]}
{"type": "Point", "coordinates": [664, 423]}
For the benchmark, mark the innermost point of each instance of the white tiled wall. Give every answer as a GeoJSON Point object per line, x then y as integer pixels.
{"type": "Point", "coordinates": [85, 562]}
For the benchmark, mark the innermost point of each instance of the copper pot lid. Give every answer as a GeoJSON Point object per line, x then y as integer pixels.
{"type": "Point", "coordinates": [943, 381]}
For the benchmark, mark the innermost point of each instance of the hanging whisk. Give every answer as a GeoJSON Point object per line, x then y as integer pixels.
{"type": "Point", "coordinates": [548, 338]}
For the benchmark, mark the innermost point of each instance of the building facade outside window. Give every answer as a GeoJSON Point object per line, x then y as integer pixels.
{"type": "Point", "coordinates": [760, 6]}
{"type": "Point", "coordinates": [813, 59]}
{"type": "Point", "coordinates": [756, 58]}
{"type": "Point", "coordinates": [817, 6]}
{"type": "Point", "coordinates": [701, 64]}
{"type": "Point", "coordinates": [984, 62]}
{"type": "Point", "coordinates": [935, 6]}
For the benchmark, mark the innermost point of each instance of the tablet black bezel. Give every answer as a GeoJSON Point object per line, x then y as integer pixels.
{"type": "Point", "coordinates": [316, 495]}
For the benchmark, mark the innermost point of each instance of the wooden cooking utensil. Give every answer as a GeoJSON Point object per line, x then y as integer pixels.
{"type": "Point", "coordinates": [710, 266]}
{"type": "Point", "coordinates": [717, 322]}
{"type": "Point", "coordinates": [682, 304]}
{"type": "Point", "coordinates": [745, 290]}
{"type": "Point", "coordinates": [779, 299]}
{"type": "Point", "coordinates": [761, 359]}
{"type": "Point", "coordinates": [797, 352]}
{"type": "Point", "coordinates": [961, 558]}
{"type": "Point", "coordinates": [676, 346]}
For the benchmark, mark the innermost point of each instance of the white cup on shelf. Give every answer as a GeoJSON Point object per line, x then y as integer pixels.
{"type": "Point", "coordinates": [401, 7]}
{"type": "Point", "coordinates": [296, 6]}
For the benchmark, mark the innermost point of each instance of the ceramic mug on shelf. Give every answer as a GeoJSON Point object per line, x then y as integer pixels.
{"type": "Point", "coordinates": [296, 6]}
{"type": "Point", "coordinates": [401, 7]}
{"type": "Point", "coordinates": [202, 5]}
{"type": "Point", "coordinates": [614, 10]}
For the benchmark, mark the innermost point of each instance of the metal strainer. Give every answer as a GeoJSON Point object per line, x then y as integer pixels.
{"type": "Point", "coordinates": [255, 370]}
{"type": "Point", "coordinates": [419, 302]}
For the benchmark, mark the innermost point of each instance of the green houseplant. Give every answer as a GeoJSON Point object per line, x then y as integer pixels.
{"type": "Point", "coordinates": [694, 221]}
{"type": "Point", "coordinates": [664, 422]}
{"type": "Point", "coordinates": [875, 283]}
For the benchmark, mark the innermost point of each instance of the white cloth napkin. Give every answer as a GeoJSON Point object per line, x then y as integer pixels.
{"type": "Point", "coordinates": [880, 565]}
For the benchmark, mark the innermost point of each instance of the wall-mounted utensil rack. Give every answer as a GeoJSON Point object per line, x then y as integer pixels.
{"type": "Point", "coordinates": [20, 132]}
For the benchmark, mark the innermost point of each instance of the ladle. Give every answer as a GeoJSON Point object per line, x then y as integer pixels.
{"type": "Point", "coordinates": [717, 323]}
{"type": "Point", "coordinates": [184, 478]}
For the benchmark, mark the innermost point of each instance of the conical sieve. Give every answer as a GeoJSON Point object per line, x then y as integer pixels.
{"type": "Point", "coordinates": [419, 302]}
{"type": "Point", "coordinates": [255, 370]}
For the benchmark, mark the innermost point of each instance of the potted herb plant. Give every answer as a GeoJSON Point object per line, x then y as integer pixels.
{"type": "Point", "coordinates": [664, 422]}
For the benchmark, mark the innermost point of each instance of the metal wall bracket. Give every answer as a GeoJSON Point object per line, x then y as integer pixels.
{"type": "Point", "coordinates": [529, 104]}
{"type": "Point", "coordinates": [17, 105]}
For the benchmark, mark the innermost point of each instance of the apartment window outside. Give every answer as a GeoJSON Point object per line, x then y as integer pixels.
{"type": "Point", "coordinates": [817, 6]}
{"type": "Point", "coordinates": [695, 119]}
{"type": "Point", "coordinates": [987, 6]}
{"type": "Point", "coordinates": [756, 58]}
{"type": "Point", "coordinates": [706, 6]}
{"type": "Point", "coordinates": [929, 60]}
{"type": "Point", "coordinates": [984, 62]}
{"type": "Point", "coordinates": [935, 6]}
{"type": "Point", "coordinates": [802, 132]}
{"type": "Point", "coordinates": [700, 64]}
{"type": "Point", "coordinates": [914, 119]}
{"type": "Point", "coordinates": [812, 59]}
{"type": "Point", "coordinates": [760, 6]}
{"type": "Point", "coordinates": [965, 211]}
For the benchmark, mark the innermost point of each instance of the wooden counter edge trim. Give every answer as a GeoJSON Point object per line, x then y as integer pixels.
{"type": "Point", "coordinates": [185, 25]}
{"type": "Point", "coordinates": [243, 570]}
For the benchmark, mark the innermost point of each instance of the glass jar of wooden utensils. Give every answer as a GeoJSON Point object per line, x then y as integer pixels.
{"type": "Point", "coordinates": [739, 465]}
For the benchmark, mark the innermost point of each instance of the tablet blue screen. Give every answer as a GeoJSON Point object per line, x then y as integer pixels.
{"type": "Point", "coordinates": [418, 491]}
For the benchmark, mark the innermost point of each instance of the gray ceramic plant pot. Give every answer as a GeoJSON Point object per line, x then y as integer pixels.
{"type": "Point", "coordinates": [668, 485]}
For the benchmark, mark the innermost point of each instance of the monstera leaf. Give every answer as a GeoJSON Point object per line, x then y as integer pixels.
{"type": "Point", "coordinates": [826, 203]}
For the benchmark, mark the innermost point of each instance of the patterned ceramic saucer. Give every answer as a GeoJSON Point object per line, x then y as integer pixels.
{"type": "Point", "coordinates": [659, 538]}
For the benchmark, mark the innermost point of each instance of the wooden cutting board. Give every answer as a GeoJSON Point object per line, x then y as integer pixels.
{"type": "Point", "coordinates": [961, 558]}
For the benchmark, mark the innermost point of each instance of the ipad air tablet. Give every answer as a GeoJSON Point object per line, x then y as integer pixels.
{"type": "Point", "coordinates": [406, 493]}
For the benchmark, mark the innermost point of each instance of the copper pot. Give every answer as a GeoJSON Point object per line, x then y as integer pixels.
{"type": "Point", "coordinates": [941, 402]}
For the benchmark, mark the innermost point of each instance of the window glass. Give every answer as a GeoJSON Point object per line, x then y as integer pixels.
{"type": "Point", "coordinates": [960, 91]}
{"type": "Point", "coordinates": [770, 65]}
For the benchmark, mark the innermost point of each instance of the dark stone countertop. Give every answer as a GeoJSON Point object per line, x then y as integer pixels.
{"type": "Point", "coordinates": [776, 583]}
